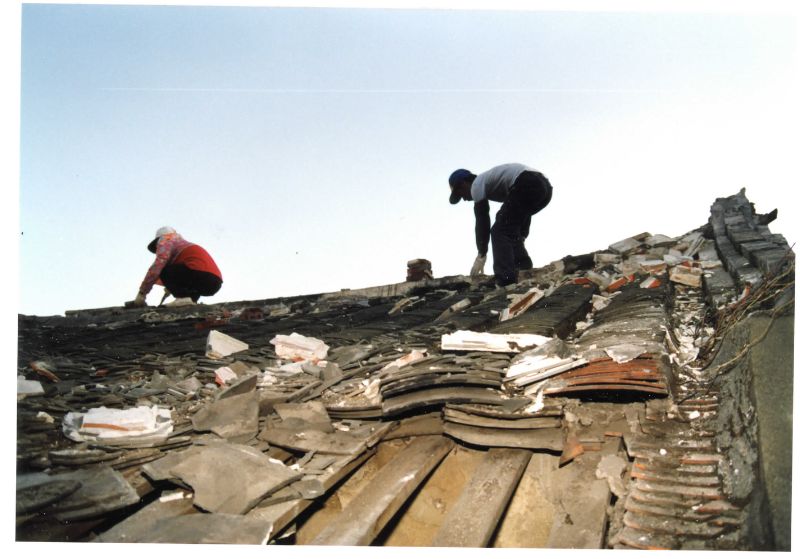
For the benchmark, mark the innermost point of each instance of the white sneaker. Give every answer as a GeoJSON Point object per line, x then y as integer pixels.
{"type": "Point", "coordinates": [180, 302]}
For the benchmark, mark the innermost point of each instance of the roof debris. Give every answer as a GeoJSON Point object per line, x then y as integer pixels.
{"type": "Point", "coordinates": [134, 423]}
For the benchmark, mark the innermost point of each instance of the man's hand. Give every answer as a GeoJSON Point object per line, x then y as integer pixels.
{"type": "Point", "coordinates": [477, 267]}
{"type": "Point", "coordinates": [138, 302]}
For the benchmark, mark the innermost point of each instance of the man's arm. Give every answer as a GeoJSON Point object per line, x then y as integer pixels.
{"type": "Point", "coordinates": [482, 226]}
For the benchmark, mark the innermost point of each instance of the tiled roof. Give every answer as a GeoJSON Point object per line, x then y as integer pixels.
{"type": "Point", "coordinates": [582, 394]}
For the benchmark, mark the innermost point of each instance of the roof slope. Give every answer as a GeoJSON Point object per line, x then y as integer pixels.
{"type": "Point", "coordinates": [586, 380]}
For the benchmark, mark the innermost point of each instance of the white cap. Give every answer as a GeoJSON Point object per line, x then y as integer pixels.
{"type": "Point", "coordinates": [159, 233]}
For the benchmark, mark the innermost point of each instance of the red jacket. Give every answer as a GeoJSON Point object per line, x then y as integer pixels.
{"type": "Point", "coordinates": [174, 249]}
{"type": "Point", "coordinates": [195, 257]}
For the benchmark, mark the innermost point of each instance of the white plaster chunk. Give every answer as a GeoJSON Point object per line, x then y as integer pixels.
{"type": "Point", "coordinates": [297, 346]}
{"type": "Point", "coordinates": [28, 387]}
{"type": "Point", "coordinates": [178, 495]}
{"type": "Point", "coordinates": [686, 276]}
{"type": "Point", "coordinates": [601, 280]}
{"type": "Point", "coordinates": [653, 266]}
{"type": "Point", "coordinates": [412, 357]}
{"type": "Point", "coordinates": [535, 363]}
{"type": "Point", "coordinates": [267, 379]}
{"type": "Point", "coordinates": [601, 258]}
{"type": "Point", "coordinates": [372, 389]}
{"type": "Point", "coordinates": [521, 303]}
{"type": "Point", "coordinates": [611, 468]}
{"type": "Point", "coordinates": [538, 400]}
{"type": "Point", "coordinates": [461, 305]}
{"type": "Point", "coordinates": [651, 281]}
{"type": "Point", "coordinates": [623, 353]}
{"type": "Point", "coordinates": [224, 375]}
{"type": "Point", "coordinates": [220, 345]}
{"type": "Point", "coordinates": [600, 302]}
{"type": "Point", "coordinates": [46, 417]}
{"type": "Point", "coordinates": [466, 340]}
{"type": "Point", "coordinates": [689, 355]}
{"type": "Point", "coordinates": [106, 424]}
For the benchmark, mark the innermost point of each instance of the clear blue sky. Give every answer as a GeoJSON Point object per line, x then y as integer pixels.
{"type": "Point", "coordinates": [308, 149]}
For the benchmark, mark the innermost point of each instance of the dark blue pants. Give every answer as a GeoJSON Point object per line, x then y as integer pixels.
{"type": "Point", "coordinates": [528, 195]}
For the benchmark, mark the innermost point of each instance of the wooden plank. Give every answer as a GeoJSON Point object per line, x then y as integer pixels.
{"type": "Point", "coordinates": [423, 514]}
{"type": "Point", "coordinates": [310, 525]}
{"type": "Point", "coordinates": [581, 518]}
{"type": "Point", "coordinates": [473, 519]}
{"type": "Point", "coordinates": [281, 515]}
{"type": "Point", "coordinates": [529, 516]}
{"type": "Point", "coordinates": [362, 520]}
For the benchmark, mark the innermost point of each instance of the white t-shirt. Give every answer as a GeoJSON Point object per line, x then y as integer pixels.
{"type": "Point", "coordinates": [495, 183]}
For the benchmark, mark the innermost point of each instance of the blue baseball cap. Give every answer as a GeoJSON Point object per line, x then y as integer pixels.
{"type": "Point", "coordinates": [456, 177]}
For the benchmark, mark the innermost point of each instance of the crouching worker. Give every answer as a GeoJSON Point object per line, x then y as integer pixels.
{"type": "Point", "coordinates": [523, 192]}
{"type": "Point", "coordinates": [185, 270]}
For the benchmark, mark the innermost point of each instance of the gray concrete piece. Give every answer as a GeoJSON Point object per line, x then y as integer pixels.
{"type": "Point", "coordinates": [773, 362]}
{"type": "Point", "coordinates": [102, 490]}
{"type": "Point", "coordinates": [139, 526]}
{"type": "Point", "coordinates": [234, 416]}
{"type": "Point", "coordinates": [228, 478]}
{"type": "Point", "coordinates": [770, 261]}
{"type": "Point", "coordinates": [312, 415]}
{"type": "Point", "coordinates": [35, 497]}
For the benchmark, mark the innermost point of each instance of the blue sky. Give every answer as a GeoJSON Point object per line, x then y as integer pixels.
{"type": "Point", "coordinates": [308, 149]}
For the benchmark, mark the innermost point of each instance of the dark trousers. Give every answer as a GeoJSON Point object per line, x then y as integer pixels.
{"type": "Point", "coordinates": [528, 195]}
{"type": "Point", "coordinates": [185, 282]}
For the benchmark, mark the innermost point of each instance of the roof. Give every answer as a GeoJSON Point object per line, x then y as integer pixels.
{"type": "Point", "coordinates": [433, 412]}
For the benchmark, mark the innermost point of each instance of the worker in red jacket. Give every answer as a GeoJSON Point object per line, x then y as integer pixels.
{"type": "Point", "coordinates": [185, 270]}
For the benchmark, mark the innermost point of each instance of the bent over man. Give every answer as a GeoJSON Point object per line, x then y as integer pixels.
{"type": "Point", "coordinates": [523, 192]}
{"type": "Point", "coordinates": [185, 269]}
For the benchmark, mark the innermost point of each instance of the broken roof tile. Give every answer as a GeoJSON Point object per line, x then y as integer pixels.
{"type": "Point", "coordinates": [630, 343]}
